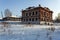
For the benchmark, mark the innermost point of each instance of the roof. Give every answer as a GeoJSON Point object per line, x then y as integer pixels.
{"type": "Point", "coordinates": [32, 8]}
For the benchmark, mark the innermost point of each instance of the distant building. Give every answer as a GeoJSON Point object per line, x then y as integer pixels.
{"type": "Point", "coordinates": [8, 16]}
{"type": "Point", "coordinates": [11, 19]}
{"type": "Point", "coordinates": [37, 15]}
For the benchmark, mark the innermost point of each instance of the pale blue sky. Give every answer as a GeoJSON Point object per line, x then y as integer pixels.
{"type": "Point", "coordinates": [16, 6]}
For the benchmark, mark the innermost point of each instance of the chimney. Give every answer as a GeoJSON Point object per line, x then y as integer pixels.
{"type": "Point", "coordinates": [39, 5]}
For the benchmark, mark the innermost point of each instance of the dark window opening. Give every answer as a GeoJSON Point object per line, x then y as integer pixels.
{"type": "Point", "coordinates": [33, 13]}
{"type": "Point", "coordinates": [29, 19]}
{"type": "Point", "coordinates": [33, 19]}
{"type": "Point", "coordinates": [26, 19]}
{"type": "Point", "coordinates": [36, 19]}
{"type": "Point", "coordinates": [36, 12]}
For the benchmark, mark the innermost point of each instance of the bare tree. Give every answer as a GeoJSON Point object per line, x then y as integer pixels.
{"type": "Point", "coordinates": [7, 13]}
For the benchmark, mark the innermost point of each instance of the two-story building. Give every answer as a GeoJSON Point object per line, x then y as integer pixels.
{"type": "Point", "coordinates": [37, 15]}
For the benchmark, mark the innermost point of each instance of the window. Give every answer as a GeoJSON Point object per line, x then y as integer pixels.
{"type": "Point", "coordinates": [47, 20]}
{"type": "Point", "coordinates": [29, 14]}
{"type": "Point", "coordinates": [36, 19]}
{"type": "Point", "coordinates": [26, 14]}
{"type": "Point", "coordinates": [32, 19]}
{"type": "Point", "coordinates": [44, 14]}
{"type": "Point", "coordinates": [36, 12]}
{"type": "Point", "coordinates": [33, 13]}
{"type": "Point", "coordinates": [41, 19]}
{"type": "Point", "coordinates": [26, 19]}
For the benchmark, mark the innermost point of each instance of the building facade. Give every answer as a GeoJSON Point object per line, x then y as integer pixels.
{"type": "Point", "coordinates": [37, 15]}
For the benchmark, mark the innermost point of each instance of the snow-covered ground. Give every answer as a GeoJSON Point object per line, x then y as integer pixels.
{"type": "Point", "coordinates": [29, 32]}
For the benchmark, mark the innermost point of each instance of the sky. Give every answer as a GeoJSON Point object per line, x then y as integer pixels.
{"type": "Point", "coordinates": [16, 6]}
